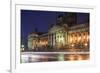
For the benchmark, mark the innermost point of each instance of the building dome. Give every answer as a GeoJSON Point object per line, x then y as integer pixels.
{"type": "Point", "coordinates": [33, 35]}
{"type": "Point", "coordinates": [58, 28]}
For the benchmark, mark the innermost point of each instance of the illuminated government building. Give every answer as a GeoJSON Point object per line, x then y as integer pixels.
{"type": "Point", "coordinates": [65, 34]}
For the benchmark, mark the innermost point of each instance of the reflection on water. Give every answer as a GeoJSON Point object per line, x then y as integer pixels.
{"type": "Point", "coordinates": [77, 57]}
{"type": "Point", "coordinates": [29, 58]}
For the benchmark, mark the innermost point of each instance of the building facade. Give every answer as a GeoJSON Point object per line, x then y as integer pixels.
{"type": "Point", "coordinates": [36, 41]}
{"type": "Point", "coordinates": [65, 34]}
{"type": "Point", "coordinates": [61, 36]}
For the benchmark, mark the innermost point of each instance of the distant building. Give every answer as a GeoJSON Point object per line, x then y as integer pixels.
{"type": "Point", "coordinates": [36, 40]}
{"type": "Point", "coordinates": [32, 40]}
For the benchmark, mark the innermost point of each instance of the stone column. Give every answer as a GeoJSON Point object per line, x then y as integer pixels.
{"type": "Point", "coordinates": [53, 39]}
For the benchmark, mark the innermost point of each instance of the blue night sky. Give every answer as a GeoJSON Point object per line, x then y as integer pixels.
{"type": "Point", "coordinates": [42, 20]}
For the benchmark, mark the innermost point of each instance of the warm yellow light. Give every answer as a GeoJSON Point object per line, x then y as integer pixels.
{"type": "Point", "coordinates": [83, 37]}
{"type": "Point", "coordinates": [79, 38]}
{"type": "Point", "coordinates": [71, 57]}
{"type": "Point", "coordinates": [85, 44]}
{"type": "Point", "coordinates": [71, 40]}
{"type": "Point", "coordinates": [88, 37]}
{"type": "Point", "coordinates": [79, 57]}
{"type": "Point", "coordinates": [72, 45]}
{"type": "Point", "coordinates": [43, 43]}
{"type": "Point", "coordinates": [75, 38]}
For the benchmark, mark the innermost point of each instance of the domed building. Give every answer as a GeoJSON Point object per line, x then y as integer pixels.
{"type": "Point", "coordinates": [62, 36]}
{"type": "Point", "coordinates": [57, 35]}
{"type": "Point", "coordinates": [32, 40]}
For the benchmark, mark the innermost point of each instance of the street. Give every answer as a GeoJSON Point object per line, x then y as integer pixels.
{"type": "Point", "coordinates": [30, 57]}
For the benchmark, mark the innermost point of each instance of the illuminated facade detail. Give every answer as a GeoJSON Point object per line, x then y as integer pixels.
{"type": "Point", "coordinates": [35, 41]}
{"type": "Point", "coordinates": [61, 36]}
{"type": "Point", "coordinates": [60, 33]}
{"type": "Point", "coordinates": [78, 34]}
{"type": "Point", "coordinates": [32, 40]}
{"type": "Point", "coordinates": [22, 47]}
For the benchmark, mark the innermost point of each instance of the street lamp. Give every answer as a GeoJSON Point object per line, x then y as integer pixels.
{"type": "Point", "coordinates": [22, 47]}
